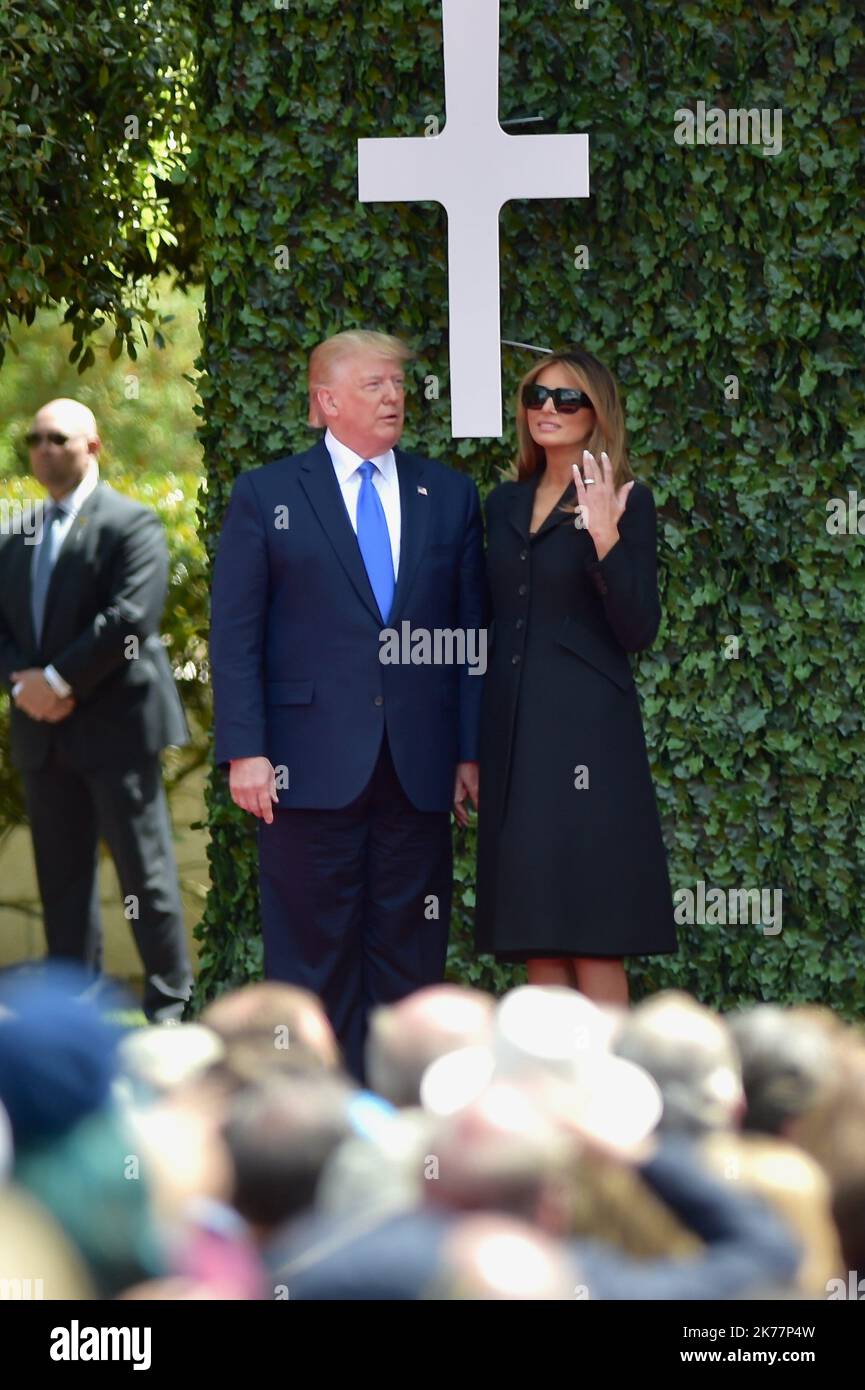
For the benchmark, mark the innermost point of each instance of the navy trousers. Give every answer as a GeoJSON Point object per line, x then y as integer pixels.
{"type": "Point", "coordinates": [356, 902]}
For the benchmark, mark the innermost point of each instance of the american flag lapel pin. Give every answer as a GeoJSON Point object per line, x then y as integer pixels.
{"type": "Point", "coordinates": [423, 492]}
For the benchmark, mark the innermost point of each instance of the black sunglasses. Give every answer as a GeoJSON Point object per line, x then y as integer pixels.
{"type": "Point", "coordinates": [34, 438]}
{"type": "Point", "coordinates": [567, 400]}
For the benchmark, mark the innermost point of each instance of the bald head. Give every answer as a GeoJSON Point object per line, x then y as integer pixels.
{"type": "Point", "coordinates": [406, 1037]}
{"type": "Point", "coordinates": [65, 445]}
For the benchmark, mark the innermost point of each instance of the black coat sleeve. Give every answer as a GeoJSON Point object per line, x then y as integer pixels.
{"type": "Point", "coordinates": [627, 577]}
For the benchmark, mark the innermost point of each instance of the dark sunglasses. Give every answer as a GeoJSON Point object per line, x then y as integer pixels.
{"type": "Point", "coordinates": [34, 438]}
{"type": "Point", "coordinates": [566, 399]}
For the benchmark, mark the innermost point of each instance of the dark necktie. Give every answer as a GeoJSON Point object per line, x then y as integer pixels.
{"type": "Point", "coordinates": [42, 571]}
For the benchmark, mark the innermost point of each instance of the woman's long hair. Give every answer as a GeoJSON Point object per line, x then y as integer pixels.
{"type": "Point", "coordinates": [591, 376]}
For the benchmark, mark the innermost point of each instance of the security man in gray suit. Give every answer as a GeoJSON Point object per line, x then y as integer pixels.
{"type": "Point", "coordinates": [93, 704]}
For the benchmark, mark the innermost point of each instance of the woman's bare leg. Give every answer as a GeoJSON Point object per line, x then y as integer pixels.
{"type": "Point", "coordinates": [550, 970]}
{"type": "Point", "coordinates": [602, 979]}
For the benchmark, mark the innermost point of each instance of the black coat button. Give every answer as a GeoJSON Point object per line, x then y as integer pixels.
{"type": "Point", "coordinates": [523, 590]}
{"type": "Point", "coordinates": [379, 700]}
{"type": "Point", "coordinates": [524, 555]}
{"type": "Point", "coordinates": [520, 623]}
{"type": "Point", "coordinates": [515, 659]}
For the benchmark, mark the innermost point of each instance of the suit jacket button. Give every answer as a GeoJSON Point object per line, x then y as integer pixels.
{"type": "Point", "coordinates": [524, 555]}
{"type": "Point", "coordinates": [515, 659]}
{"type": "Point", "coordinates": [520, 622]}
{"type": "Point", "coordinates": [523, 590]}
{"type": "Point", "coordinates": [379, 700]}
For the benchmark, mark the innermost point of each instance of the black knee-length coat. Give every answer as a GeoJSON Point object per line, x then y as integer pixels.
{"type": "Point", "coordinates": [566, 868]}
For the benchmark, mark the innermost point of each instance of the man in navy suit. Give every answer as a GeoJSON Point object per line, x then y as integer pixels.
{"type": "Point", "coordinates": [324, 557]}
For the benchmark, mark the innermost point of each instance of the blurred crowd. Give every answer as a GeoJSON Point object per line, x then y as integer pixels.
{"type": "Point", "coordinates": [531, 1147]}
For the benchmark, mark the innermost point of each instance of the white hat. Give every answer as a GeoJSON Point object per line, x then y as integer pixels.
{"type": "Point", "coordinates": [555, 1038]}
{"type": "Point", "coordinates": [548, 1026]}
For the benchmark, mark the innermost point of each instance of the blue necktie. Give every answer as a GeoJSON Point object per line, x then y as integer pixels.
{"type": "Point", "coordinates": [41, 577]}
{"type": "Point", "coordinates": [373, 538]}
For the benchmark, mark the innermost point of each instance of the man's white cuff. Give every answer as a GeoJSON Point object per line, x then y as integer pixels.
{"type": "Point", "coordinates": [56, 681]}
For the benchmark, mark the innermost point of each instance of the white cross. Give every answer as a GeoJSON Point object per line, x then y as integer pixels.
{"type": "Point", "coordinates": [472, 168]}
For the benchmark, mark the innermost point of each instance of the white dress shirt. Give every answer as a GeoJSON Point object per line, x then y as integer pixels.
{"type": "Point", "coordinates": [385, 480]}
{"type": "Point", "coordinates": [71, 503]}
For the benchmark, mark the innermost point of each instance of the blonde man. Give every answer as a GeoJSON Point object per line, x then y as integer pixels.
{"type": "Point", "coordinates": [351, 757]}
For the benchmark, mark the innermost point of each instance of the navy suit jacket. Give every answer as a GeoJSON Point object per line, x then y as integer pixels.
{"type": "Point", "coordinates": [295, 645]}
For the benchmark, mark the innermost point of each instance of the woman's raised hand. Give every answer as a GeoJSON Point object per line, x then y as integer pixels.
{"type": "Point", "coordinates": [600, 505]}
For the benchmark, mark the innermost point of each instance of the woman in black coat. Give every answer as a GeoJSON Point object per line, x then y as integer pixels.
{"type": "Point", "coordinates": [572, 871]}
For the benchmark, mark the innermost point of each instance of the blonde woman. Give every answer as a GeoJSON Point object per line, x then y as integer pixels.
{"type": "Point", "coordinates": [572, 871]}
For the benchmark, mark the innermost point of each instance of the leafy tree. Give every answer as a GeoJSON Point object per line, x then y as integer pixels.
{"type": "Point", "coordinates": [94, 106]}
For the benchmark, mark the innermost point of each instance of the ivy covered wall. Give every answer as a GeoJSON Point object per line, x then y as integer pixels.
{"type": "Point", "coordinates": [704, 263]}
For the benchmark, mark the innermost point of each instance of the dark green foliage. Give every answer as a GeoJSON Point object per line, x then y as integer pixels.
{"type": "Point", "coordinates": [92, 204]}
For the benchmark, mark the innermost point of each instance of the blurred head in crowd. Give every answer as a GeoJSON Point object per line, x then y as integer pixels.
{"type": "Point", "coordinates": [270, 1027]}
{"type": "Point", "coordinates": [64, 445]}
{"type": "Point", "coordinates": [279, 1135]}
{"type": "Point", "coordinates": [58, 1055]}
{"type": "Point", "coordinates": [380, 1168]}
{"type": "Point", "coordinates": [832, 1127]}
{"type": "Point", "coordinates": [786, 1064]}
{"type": "Point", "coordinates": [503, 1152]}
{"type": "Point", "coordinates": [157, 1062]}
{"type": "Point", "coordinates": [832, 1130]}
{"type": "Point", "coordinates": [404, 1038]}
{"type": "Point", "coordinates": [691, 1055]}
